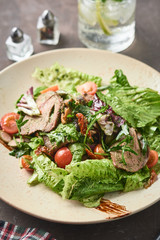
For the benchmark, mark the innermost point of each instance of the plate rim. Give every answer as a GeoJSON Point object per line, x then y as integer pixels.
{"type": "Point", "coordinates": [75, 49]}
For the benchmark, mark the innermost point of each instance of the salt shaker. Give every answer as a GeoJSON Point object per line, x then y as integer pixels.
{"type": "Point", "coordinates": [19, 45]}
{"type": "Point", "coordinates": [47, 27]}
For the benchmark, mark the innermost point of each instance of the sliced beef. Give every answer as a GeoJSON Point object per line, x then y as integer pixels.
{"type": "Point", "coordinates": [49, 105]}
{"type": "Point", "coordinates": [133, 162]}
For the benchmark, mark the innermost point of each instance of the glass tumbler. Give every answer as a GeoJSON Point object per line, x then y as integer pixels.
{"type": "Point", "coordinates": [106, 24]}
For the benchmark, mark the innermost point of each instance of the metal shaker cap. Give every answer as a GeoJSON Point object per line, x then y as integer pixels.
{"type": "Point", "coordinates": [16, 35]}
{"type": "Point", "coordinates": [47, 18]}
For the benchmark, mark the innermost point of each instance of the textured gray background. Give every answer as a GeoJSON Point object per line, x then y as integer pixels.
{"type": "Point", "coordinates": [146, 48]}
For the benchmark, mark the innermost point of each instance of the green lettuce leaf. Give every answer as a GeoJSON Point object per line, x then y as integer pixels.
{"type": "Point", "coordinates": [90, 177]}
{"type": "Point", "coordinates": [86, 181]}
{"type": "Point", "coordinates": [92, 201]}
{"type": "Point", "coordinates": [65, 78]}
{"type": "Point", "coordinates": [35, 142]}
{"type": "Point", "coordinates": [48, 173]}
{"type": "Point", "coordinates": [136, 105]}
{"type": "Point", "coordinates": [63, 133]}
{"type": "Point", "coordinates": [152, 135]}
{"type": "Point", "coordinates": [77, 150]}
{"type": "Point", "coordinates": [134, 181]}
{"type": "Point", "coordinates": [93, 178]}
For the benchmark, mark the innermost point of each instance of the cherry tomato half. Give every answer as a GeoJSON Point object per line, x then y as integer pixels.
{"type": "Point", "coordinates": [8, 122]}
{"type": "Point", "coordinates": [88, 87]}
{"type": "Point", "coordinates": [25, 159]}
{"type": "Point", "coordinates": [63, 157]}
{"type": "Point", "coordinates": [98, 149]}
{"type": "Point", "coordinates": [153, 159]}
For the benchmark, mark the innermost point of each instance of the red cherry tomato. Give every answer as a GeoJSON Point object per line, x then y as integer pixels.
{"type": "Point", "coordinates": [63, 157]}
{"type": "Point", "coordinates": [153, 159]}
{"type": "Point", "coordinates": [88, 87]}
{"type": "Point", "coordinates": [8, 122]}
{"type": "Point", "coordinates": [25, 162]}
{"type": "Point", "coordinates": [98, 149]}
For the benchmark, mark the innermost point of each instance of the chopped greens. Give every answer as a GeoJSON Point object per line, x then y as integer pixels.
{"type": "Point", "coordinates": [66, 78]}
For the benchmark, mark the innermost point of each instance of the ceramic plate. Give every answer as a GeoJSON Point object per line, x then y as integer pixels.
{"type": "Point", "coordinates": [40, 201]}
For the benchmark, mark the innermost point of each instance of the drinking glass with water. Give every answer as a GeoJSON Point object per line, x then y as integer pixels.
{"type": "Point", "coordinates": [107, 24]}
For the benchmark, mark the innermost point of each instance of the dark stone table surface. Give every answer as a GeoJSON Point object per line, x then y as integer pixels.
{"type": "Point", "coordinates": [144, 225]}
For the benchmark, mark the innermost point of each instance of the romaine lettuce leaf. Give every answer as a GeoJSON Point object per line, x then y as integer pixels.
{"type": "Point", "coordinates": [136, 105]}
{"type": "Point", "coordinates": [65, 78]}
{"type": "Point", "coordinates": [48, 173]}
{"type": "Point", "coordinates": [77, 150]}
{"type": "Point", "coordinates": [134, 181]}
{"type": "Point", "coordinates": [152, 135]}
{"type": "Point", "coordinates": [93, 178]}
{"type": "Point", "coordinates": [90, 177]}
{"type": "Point", "coordinates": [86, 181]}
{"type": "Point", "coordinates": [92, 201]}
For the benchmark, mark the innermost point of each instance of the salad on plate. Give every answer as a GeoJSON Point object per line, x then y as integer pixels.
{"type": "Point", "coordinates": [83, 139]}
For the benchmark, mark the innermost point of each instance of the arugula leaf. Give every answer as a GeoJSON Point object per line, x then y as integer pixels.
{"type": "Point", "coordinates": [20, 122]}
{"type": "Point", "coordinates": [19, 99]}
{"type": "Point", "coordinates": [94, 119]}
{"type": "Point", "coordinates": [38, 90]}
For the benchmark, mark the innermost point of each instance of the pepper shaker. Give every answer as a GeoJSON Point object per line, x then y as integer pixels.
{"type": "Point", "coordinates": [19, 45]}
{"type": "Point", "coordinates": [47, 27]}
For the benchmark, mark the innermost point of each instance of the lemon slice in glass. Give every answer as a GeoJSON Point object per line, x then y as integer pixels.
{"type": "Point", "coordinates": [104, 22]}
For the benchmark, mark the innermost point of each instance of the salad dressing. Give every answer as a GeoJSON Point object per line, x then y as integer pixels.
{"type": "Point", "coordinates": [113, 210]}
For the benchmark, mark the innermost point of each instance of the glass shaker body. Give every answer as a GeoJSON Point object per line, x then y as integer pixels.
{"type": "Point", "coordinates": [48, 34]}
{"type": "Point", "coordinates": [21, 50]}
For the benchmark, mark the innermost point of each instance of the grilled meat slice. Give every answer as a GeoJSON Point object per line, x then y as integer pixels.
{"type": "Point", "coordinates": [50, 105]}
{"type": "Point", "coordinates": [133, 162]}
